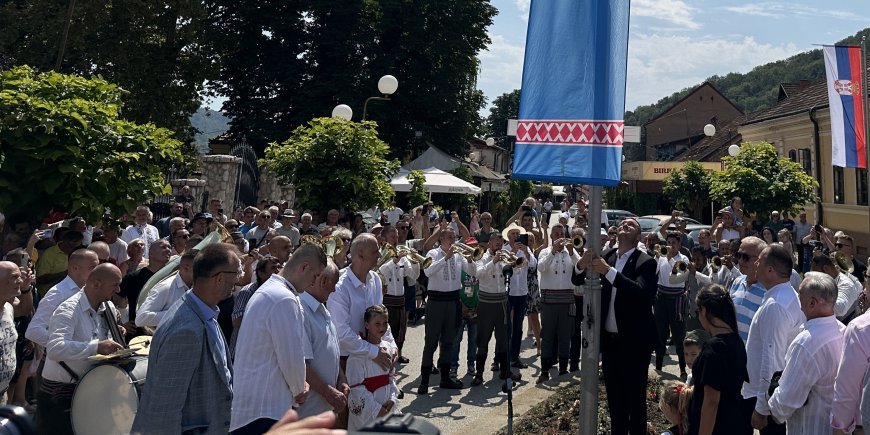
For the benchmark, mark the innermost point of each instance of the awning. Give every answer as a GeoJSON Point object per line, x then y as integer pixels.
{"type": "Point", "coordinates": [437, 181]}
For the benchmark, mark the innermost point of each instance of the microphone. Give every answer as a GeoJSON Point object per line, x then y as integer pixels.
{"type": "Point", "coordinates": [507, 271]}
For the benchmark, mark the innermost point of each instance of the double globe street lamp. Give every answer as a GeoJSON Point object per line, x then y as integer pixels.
{"type": "Point", "coordinates": [387, 85]}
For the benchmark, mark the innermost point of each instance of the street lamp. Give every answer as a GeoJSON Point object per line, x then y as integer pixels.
{"type": "Point", "coordinates": [342, 111]}
{"type": "Point", "coordinates": [709, 130]}
{"type": "Point", "coordinates": [733, 150]}
{"type": "Point", "coordinates": [387, 85]}
{"type": "Point", "coordinates": [490, 141]}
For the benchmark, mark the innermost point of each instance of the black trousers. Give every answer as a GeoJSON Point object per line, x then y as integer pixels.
{"type": "Point", "coordinates": [625, 367]}
{"type": "Point", "coordinates": [576, 337]}
{"type": "Point", "coordinates": [667, 323]}
{"type": "Point", "coordinates": [53, 414]}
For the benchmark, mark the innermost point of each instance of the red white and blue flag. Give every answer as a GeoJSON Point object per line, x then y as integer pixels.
{"type": "Point", "coordinates": [846, 100]}
{"type": "Point", "coordinates": [572, 103]}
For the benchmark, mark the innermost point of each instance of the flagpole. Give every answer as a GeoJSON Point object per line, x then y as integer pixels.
{"type": "Point", "coordinates": [866, 113]}
{"type": "Point", "coordinates": [591, 322]}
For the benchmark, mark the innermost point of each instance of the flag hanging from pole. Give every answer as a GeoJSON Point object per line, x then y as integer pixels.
{"type": "Point", "coordinates": [572, 103]}
{"type": "Point", "coordinates": [843, 67]}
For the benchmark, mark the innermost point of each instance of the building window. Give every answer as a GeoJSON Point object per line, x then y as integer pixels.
{"type": "Point", "coordinates": [839, 185]}
{"type": "Point", "coordinates": [805, 160]}
{"type": "Point", "coordinates": [793, 156]}
{"type": "Point", "coordinates": [861, 185]}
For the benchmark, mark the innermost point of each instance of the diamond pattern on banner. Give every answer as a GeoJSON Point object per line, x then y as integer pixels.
{"type": "Point", "coordinates": [570, 132]}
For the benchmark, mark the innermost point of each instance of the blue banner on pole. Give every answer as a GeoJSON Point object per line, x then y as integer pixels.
{"type": "Point", "coordinates": [572, 103]}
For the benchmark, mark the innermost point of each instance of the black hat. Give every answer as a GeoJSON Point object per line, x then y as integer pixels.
{"type": "Point", "coordinates": [206, 216]}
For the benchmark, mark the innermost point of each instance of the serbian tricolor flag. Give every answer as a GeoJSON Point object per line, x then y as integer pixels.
{"type": "Point", "coordinates": [572, 101]}
{"type": "Point", "coordinates": [846, 101]}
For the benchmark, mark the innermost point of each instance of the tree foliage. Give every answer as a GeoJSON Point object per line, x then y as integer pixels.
{"type": "Point", "coordinates": [334, 164]}
{"type": "Point", "coordinates": [418, 191]}
{"type": "Point", "coordinates": [505, 106]}
{"type": "Point", "coordinates": [689, 187]}
{"type": "Point", "coordinates": [63, 142]}
{"type": "Point", "coordinates": [284, 63]}
{"type": "Point", "coordinates": [764, 181]}
{"type": "Point", "coordinates": [157, 51]}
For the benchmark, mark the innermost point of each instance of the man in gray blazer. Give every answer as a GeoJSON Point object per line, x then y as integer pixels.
{"type": "Point", "coordinates": [189, 384]}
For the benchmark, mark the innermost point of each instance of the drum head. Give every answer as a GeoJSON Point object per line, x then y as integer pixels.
{"type": "Point", "coordinates": [105, 401]}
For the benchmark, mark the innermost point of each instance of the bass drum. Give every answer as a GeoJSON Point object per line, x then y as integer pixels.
{"type": "Point", "coordinates": [107, 398]}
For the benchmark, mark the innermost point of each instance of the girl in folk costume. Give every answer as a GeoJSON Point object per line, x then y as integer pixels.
{"type": "Point", "coordinates": [373, 390]}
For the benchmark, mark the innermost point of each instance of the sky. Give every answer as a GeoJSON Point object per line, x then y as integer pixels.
{"type": "Point", "coordinates": [674, 44]}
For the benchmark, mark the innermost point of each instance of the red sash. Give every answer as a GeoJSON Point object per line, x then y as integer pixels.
{"type": "Point", "coordinates": [373, 383]}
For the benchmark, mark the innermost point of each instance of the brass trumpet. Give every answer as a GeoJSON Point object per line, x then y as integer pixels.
{"type": "Point", "coordinates": [843, 262]}
{"type": "Point", "coordinates": [716, 263]}
{"type": "Point", "coordinates": [680, 266]}
{"type": "Point", "coordinates": [660, 250]}
{"type": "Point", "coordinates": [578, 242]}
{"type": "Point", "coordinates": [388, 252]}
{"type": "Point", "coordinates": [310, 239]}
{"type": "Point", "coordinates": [467, 251]}
{"type": "Point", "coordinates": [331, 245]}
{"type": "Point", "coordinates": [413, 256]}
{"type": "Point", "coordinates": [511, 258]}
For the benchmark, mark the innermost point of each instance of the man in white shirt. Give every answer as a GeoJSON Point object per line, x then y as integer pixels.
{"type": "Point", "coordinates": [166, 292]}
{"type": "Point", "coordinates": [806, 389]}
{"type": "Point", "coordinates": [288, 229]}
{"type": "Point", "coordinates": [443, 309]}
{"type": "Point", "coordinates": [81, 263]}
{"type": "Point", "coordinates": [722, 274]}
{"type": "Point", "coordinates": [10, 289]}
{"type": "Point", "coordinates": [78, 330]}
{"type": "Point", "coordinates": [848, 288]}
{"type": "Point", "coordinates": [776, 323]}
{"type": "Point", "coordinates": [394, 213]}
{"type": "Point", "coordinates": [671, 307]}
{"type": "Point", "coordinates": [269, 365]}
{"type": "Point", "coordinates": [395, 272]}
{"type": "Point", "coordinates": [141, 229]}
{"type": "Point", "coordinates": [329, 389]}
{"type": "Point", "coordinates": [555, 266]}
{"type": "Point", "coordinates": [256, 236]}
{"type": "Point", "coordinates": [519, 290]}
{"type": "Point", "coordinates": [117, 247]}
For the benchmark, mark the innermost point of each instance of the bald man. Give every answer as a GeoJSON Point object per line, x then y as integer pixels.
{"type": "Point", "coordinates": [102, 250]}
{"type": "Point", "coordinates": [10, 288]}
{"type": "Point", "coordinates": [78, 330]}
{"type": "Point", "coordinates": [280, 248]}
{"type": "Point", "coordinates": [81, 263]}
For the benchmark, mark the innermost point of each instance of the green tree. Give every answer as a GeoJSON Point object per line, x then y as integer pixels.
{"type": "Point", "coordinates": [334, 164]}
{"type": "Point", "coordinates": [418, 194]}
{"type": "Point", "coordinates": [763, 180]}
{"type": "Point", "coordinates": [505, 106]}
{"type": "Point", "coordinates": [63, 142]}
{"type": "Point", "coordinates": [689, 188]}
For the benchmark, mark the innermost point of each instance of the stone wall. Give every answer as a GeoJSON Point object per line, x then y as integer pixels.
{"type": "Point", "coordinates": [272, 191]}
{"type": "Point", "coordinates": [221, 174]}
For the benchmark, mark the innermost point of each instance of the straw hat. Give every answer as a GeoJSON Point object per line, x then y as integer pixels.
{"type": "Point", "coordinates": [513, 227]}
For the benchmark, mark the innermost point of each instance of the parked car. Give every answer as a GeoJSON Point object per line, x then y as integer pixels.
{"type": "Point", "coordinates": [694, 230]}
{"type": "Point", "coordinates": [614, 217]}
{"type": "Point", "coordinates": [652, 223]}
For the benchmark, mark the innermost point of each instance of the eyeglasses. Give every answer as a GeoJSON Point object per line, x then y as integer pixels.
{"type": "Point", "coordinates": [232, 227]}
{"type": "Point", "coordinates": [742, 256]}
{"type": "Point", "coordinates": [237, 273]}
{"type": "Point", "coordinates": [840, 245]}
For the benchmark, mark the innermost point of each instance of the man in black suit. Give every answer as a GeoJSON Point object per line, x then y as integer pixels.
{"type": "Point", "coordinates": [628, 330]}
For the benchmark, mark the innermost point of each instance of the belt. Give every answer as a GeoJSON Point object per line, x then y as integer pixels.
{"type": "Point", "coordinates": [443, 296]}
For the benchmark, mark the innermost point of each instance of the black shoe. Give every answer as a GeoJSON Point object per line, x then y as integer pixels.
{"type": "Point", "coordinates": [478, 379]}
{"type": "Point", "coordinates": [575, 367]}
{"type": "Point", "coordinates": [450, 384]}
{"type": "Point", "coordinates": [563, 372]}
{"type": "Point", "coordinates": [519, 364]}
{"type": "Point", "coordinates": [403, 360]}
{"type": "Point", "coordinates": [401, 395]}
{"type": "Point", "coordinates": [423, 389]}
{"type": "Point", "coordinates": [545, 376]}
{"type": "Point", "coordinates": [435, 371]}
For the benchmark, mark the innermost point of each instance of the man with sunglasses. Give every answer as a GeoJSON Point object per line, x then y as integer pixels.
{"type": "Point", "coordinates": [846, 245]}
{"type": "Point", "coordinates": [746, 292]}
{"type": "Point", "coordinates": [257, 235]}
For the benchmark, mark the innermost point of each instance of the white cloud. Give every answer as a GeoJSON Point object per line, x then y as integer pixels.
{"type": "Point", "coordinates": [780, 10]}
{"type": "Point", "coordinates": [523, 6]}
{"type": "Point", "coordinates": [659, 65]}
{"type": "Point", "coordinates": [673, 11]}
{"type": "Point", "coordinates": [501, 65]}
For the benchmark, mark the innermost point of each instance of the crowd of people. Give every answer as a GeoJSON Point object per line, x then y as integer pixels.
{"type": "Point", "coordinates": [284, 311]}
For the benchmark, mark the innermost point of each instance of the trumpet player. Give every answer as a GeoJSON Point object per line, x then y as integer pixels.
{"type": "Point", "coordinates": [698, 274]}
{"type": "Point", "coordinates": [519, 288]}
{"type": "Point", "coordinates": [555, 266]}
{"type": "Point", "coordinates": [672, 304]}
{"type": "Point", "coordinates": [443, 308]}
{"type": "Point", "coordinates": [395, 271]}
{"type": "Point", "coordinates": [492, 309]}
{"type": "Point", "coordinates": [722, 275]}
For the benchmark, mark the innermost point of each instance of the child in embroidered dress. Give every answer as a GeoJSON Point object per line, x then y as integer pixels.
{"type": "Point", "coordinates": [373, 390]}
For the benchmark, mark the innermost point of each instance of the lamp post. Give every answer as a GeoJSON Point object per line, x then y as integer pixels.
{"type": "Point", "coordinates": [387, 85]}
{"type": "Point", "coordinates": [733, 150]}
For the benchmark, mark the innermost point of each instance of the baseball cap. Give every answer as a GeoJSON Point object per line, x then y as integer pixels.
{"type": "Point", "coordinates": [201, 215]}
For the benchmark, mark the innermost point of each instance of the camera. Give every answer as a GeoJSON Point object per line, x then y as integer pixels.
{"type": "Point", "coordinates": [814, 243]}
{"type": "Point", "coordinates": [399, 423]}
{"type": "Point", "coordinates": [15, 421]}
{"type": "Point", "coordinates": [524, 239]}
{"type": "Point", "coordinates": [818, 228]}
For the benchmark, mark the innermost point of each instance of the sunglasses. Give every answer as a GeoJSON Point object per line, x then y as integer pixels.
{"type": "Point", "coordinates": [232, 227]}
{"type": "Point", "coordinates": [742, 256]}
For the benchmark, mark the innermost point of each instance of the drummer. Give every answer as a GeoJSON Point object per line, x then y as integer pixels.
{"type": "Point", "coordinates": [77, 330]}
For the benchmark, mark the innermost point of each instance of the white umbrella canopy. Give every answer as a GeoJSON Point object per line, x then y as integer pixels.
{"type": "Point", "coordinates": [437, 181]}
